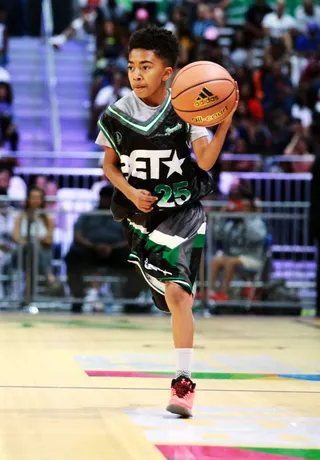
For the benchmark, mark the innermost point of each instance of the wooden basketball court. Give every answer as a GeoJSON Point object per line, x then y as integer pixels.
{"type": "Point", "coordinates": [95, 388]}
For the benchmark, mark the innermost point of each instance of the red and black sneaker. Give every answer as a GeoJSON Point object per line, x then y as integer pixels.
{"type": "Point", "coordinates": [182, 396]}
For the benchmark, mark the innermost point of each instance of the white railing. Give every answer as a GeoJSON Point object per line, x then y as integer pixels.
{"type": "Point", "coordinates": [286, 259]}
{"type": "Point", "coordinates": [254, 157]}
{"type": "Point", "coordinates": [47, 18]}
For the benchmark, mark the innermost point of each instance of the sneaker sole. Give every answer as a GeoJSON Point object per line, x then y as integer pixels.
{"type": "Point", "coordinates": [179, 410]}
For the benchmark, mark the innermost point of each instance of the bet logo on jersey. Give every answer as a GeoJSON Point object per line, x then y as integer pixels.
{"type": "Point", "coordinates": [148, 164]}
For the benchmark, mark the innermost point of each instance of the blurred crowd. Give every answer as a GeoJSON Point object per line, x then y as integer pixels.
{"type": "Point", "coordinates": [272, 52]}
{"type": "Point", "coordinates": [8, 132]}
{"type": "Point", "coordinates": [273, 55]}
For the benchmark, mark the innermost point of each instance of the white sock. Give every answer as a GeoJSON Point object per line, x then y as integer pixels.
{"type": "Point", "coordinates": [184, 361]}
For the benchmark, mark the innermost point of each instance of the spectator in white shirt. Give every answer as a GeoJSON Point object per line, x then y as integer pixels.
{"type": "Point", "coordinates": [110, 94]}
{"type": "Point", "coordinates": [4, 76]}
{"type": "Point", "coordinates": [107, 96]}
{"type": "Point", "coordinates": [278, 24]}
{"type": "Point", "coordinates": [15, 187]}
{"type": "Point", "coordinates": [3, 39]}
{"type": "Point", "coordinates": [301, 111]}
{"type": "Point", "coordinates": [307, 13]}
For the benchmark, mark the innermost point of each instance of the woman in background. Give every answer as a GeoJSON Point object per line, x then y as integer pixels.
{"type": "Point", "coordinates": [35, 226]}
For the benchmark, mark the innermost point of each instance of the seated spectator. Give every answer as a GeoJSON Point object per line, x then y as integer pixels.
{"type": "Point", "coordinates": [310, 76]}
{"type": "Point", "coordinates": [179, 18]}
{"type": "Point", "coordinates": [41, 182]}
{"type": "Point", "coordinates": [240, 53]}
{"type": "Point", "coordinates": [178, 23]}
{"type": "Point", "coordinates": [211, 51]}
{"type": "Point", "coordinates": [35, 223]}
{"type": "Point", "coordinates": [116, 11]}
{"type": "Point", "coordinates": [82, 24]}
{"type": "Point", "coordinates": [6, 241]}
{"type": "Point", "coordinates": [279, 24]}
{"type": "Point", "coordinates": [101, 183]}
{"type": "Point", "coordinates": [5, 77]}
{"type": "Point", "coordinates": [301, 111]}
{"type": "Point", "coordinates": [253, 105]}
{"type": "Point", "coordinates": [141, 20]}
{"type": "Point", "coordinates": [107, 96]}
{"type": "Point", "coordinates": [220, 4]}
{"type": "Point", "coordinates": [47, 185]}
{"type": "Point", "coordinates": [86, 19]}
{"type": "Point", "coordinates": [257, 134]}
{"type": "Point", "coordinates": [308, 42]}
{"type": "Point", "coordinates": [242, 240]}
{"type": "Point", "coordinates": [217, 15]}
{"type": "Point", "coordinates": [15, 187]}
{"type": "Point", "coordinates": [51, 191]}
{"type": "Point", "coordinates": [281, 132]}
{"type": "Point", "coordinates": [242, 75]}
{"type": "Point", "coordinates": [240, 147]}
{"type": "Point", "coordinates": [99, 243]}
{"type": "Point", "coordinates": [277, 52]}
{"type": "Point", "coordinates": [299, 146]}
{"type": "Point", "coordinates": [253, 20]}
{"type": "Point", "coordinates": [306, 13]}
{"type": "Point", "coordinates": [3, 39]}
{"type": "Point", "coordinates": [8, 130]}
{"type": "Point", "coordinates": [109, 42]}
{"type": "Point", "coordinates": [180, 26]}
{"type": "Point", "coordinates": [277, 90]}
{"type": "Point", "coordinates": [188, 47]}
{"type": "Point", "coordinates": [232, 135]}
{"type": "Point", "coordinates": [204, 20]}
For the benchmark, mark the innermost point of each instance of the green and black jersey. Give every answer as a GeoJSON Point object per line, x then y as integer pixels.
{"type": "Point", "coordinates": [153, 145]}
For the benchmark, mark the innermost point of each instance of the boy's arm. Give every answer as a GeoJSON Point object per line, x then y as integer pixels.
{"type": "Point", "coordinates": [141, 198]}
{"type": "Point", "coordinates": [207, 154]}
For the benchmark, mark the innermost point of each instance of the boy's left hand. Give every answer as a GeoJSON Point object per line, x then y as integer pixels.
{"type": "Point", "coordinates": [229, 117]}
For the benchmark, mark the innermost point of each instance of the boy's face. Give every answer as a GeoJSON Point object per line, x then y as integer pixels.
{"type": "Point", "coordinates": [147, 72]}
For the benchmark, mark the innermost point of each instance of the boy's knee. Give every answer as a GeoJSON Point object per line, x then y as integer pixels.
{"type": "Point", "coordinates": [176, 295]}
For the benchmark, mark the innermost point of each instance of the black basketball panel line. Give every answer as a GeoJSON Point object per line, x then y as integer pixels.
{"type": "Point", "coordinates": [207, 63]}
{"type": "Point", "coordinates": [200, 84]}
{"type": "Point", "coordinates": [208, 106]}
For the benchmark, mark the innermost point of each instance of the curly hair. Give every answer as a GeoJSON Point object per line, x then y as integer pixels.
{"type": "Point", "coordinates": [161, 41]}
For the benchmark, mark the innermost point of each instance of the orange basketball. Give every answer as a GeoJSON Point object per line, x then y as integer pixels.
{"type": "Point", "coordinates": [203, 93]}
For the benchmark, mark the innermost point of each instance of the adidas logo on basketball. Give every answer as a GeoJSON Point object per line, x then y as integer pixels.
{"type": "Point", "coordinates": [205, 97]}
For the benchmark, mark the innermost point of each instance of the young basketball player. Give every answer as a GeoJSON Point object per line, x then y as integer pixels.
{"type": "Point", "coordinates": [158, 187]}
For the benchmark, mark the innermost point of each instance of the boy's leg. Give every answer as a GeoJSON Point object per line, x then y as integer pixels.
{"type": "Point", "coordinates": [182, 388]}
{"type": "Point", "coordinates": [178, 301]}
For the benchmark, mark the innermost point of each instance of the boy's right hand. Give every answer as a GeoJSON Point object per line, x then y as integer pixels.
{"type": "Point", "coordinates": [143, 200]}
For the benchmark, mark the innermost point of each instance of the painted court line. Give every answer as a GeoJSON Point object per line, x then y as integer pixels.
{"type": "Point", "coordinates": [205, 375]}
{"type": "Point", "coordinates": [209, 390]}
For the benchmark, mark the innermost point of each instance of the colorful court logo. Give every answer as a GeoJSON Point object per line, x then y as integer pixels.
{"type": "Point", "coordinates": [204, 375]}
{"type": "Point", "coordinates": [231, 427]}
{"type": "Point", "coordinates": [187, 452]}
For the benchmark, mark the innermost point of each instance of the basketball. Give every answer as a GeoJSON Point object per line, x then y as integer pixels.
{"type": "Point", "coordinates": [203, 93]}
